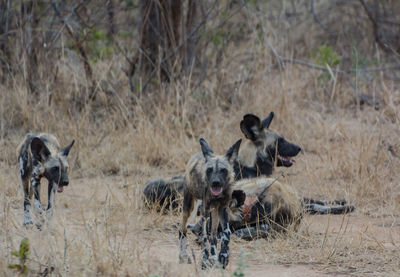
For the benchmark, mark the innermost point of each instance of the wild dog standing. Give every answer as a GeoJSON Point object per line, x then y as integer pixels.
{"type": "Point", "coordinates": [40, 155]}
{"type": "Point", "coordinates": [209, 178]}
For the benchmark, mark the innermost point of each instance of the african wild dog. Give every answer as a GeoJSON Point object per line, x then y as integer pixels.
{"type": "Point", "coordinates": [263, 149]}
{"type": "Point", "coordinates": [260, 152]}
{"type": "Point", "coordinates": [270, 205]}
{"type": "Point", "coordinates": [209, 178]}
{"type": "Point", "coordinates": [40, 155]}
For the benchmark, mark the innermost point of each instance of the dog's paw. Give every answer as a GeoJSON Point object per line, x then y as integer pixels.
{"type": "Point", "coordinates": [38, 207]}
{"type": "Point", "coordinates": [27, 222]}
{"type": "Point", "coordinates": [184, 258]}
{"type": "Point", "coordinates": [206, 263]}
{"type": "Point", "coordinates": [223, 259]}
{"type": "Point", "coordinates": [39, 225]}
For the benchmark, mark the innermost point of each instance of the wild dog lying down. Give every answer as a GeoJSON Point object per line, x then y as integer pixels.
{"type": "Point", "coordinates": [259, 153]}
{"type": "Point", "coordinates": [209, 178]}
{"type": "Point", "coordinates": [40, 155]}
{"type": "Point", "coordinates": [268, 205]}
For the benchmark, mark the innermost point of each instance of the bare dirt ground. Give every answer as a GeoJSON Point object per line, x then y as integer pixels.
{"type": "Point", "coordinates": [100, 227]}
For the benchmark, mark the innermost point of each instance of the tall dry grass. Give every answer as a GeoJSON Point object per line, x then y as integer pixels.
{"type": "Point", "coordinates": [100, 224]}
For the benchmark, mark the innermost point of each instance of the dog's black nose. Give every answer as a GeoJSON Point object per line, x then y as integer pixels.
{"type": "Point", "coordinates": [216, 183]}
{"type": "Point", "coordinates": [64, 183]}
{"type": "Point", "coordinates": [298, 148]}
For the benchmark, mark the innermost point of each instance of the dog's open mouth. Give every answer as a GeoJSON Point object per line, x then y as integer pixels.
{"type": "Point", "coordinates": [216, 191]}
{"type": "Point", "coordinates": [60, 189]}
{"type": "Point", "coordinates": [286, 161]}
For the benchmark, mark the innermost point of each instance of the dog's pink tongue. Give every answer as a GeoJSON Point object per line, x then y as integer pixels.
{"type": "Point", "coordinates": [216, 191]}
{"type": "Point", "coordinates": [60, 189]}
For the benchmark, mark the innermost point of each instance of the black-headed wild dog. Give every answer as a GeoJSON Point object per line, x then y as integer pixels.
{"type": "Point", "coordinates": [209, 178]}
{"type": "Point", "coordinates": [40, 155]}
{"type": "Point", "coordinates": [258, 155]}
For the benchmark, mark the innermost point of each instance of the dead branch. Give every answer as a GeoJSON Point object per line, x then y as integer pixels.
{"type": "Point", "coordinates": [316, 18]}
{"type": "Point", "coordinates": [346, 73]}
{"type": "Point", "coordinates": [79, 45]}
{"type": "Point", "coordinates": [375, 26]}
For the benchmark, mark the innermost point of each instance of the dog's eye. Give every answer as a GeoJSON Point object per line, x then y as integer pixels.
{"type": "Point", "coordinates": [223, 171]}
{"type": "Point", "coordinates": [209, 171]}
{"type": "Point", "coordinates": [55, 169]}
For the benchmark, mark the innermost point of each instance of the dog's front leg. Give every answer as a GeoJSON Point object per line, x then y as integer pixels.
{"type": "Point", "coordinates": [223, 257]}
{"type": "Point", "coordinates": [214, 233]}
{"type": "Point", "coordinates": [187, 208]}
{"type": "Point", "coordinates": [50, 206]}
{"type": "Point", "coordinates": [35, 182]}
{"type": "Point", "coordinates": [27, 202]}
{"type": "Point", "coordinates": [204, 240]}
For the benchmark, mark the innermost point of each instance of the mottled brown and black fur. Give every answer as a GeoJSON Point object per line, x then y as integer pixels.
{"type": "Point", "coordinates": [263, 148]}
{"type": "Point", "coordinates": [266, 204]}
{"type": "Point", "coordinates": [209, 178]}
{"type": "Point", "coordinates": [40, 155]}
{"type": "Point", "coordinates": [269, 205]}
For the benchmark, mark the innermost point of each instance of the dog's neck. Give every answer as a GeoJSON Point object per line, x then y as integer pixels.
{"type": "Point", "coordinates": [262, 166]}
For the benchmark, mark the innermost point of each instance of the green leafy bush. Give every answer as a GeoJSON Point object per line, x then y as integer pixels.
{"type": "Point", "coordinates": [22, 255]}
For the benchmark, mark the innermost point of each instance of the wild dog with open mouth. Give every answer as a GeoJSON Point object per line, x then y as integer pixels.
{"type": "Point", "coordinates": [263, 149]}
{"type": "Point", "coordinates": [260, 152]}
{"type": "Point", "coordinates": [40, 155]}
{"type": "Point", "coordinates": [209, 178]}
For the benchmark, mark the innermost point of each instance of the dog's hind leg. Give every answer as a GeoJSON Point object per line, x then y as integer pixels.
{"type": "Point", "coordinates": [251, 232]}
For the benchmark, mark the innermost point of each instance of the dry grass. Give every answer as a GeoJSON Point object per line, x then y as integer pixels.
{"type": "Point", "coordinates": [100, 225]}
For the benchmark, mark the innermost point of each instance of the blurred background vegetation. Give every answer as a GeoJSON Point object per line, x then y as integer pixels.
{"type": "Point", "coordinates": [109, 54]}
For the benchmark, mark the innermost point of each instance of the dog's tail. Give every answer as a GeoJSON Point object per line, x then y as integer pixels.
{"type": "Point", "coordinates": [164, 193]}
{"type": "Point", "coordinates": [314, 206]}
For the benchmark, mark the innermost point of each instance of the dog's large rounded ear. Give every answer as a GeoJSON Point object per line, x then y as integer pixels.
{"type": "Point", "coordinates": [267, 121]}
{"type": "Point", "coordinates": [205, 148]}
{"type": "Point", "coordinates": [233, 152]}
{"type": "Point", "coordinates": [39, 150]}
{"type": "Point", "coordinates": [239, 196]}
{"type": "Point", "coordinates": [251, 126]}
{"type": "Point", "coordinates": [65, 151]}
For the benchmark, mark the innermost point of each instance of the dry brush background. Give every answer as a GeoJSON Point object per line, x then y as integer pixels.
{"type": "Point", "coordinates": [328, 69]}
